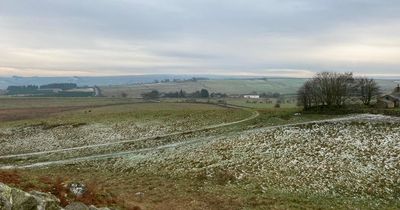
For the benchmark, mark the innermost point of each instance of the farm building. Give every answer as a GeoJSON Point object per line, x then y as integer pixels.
{"type": "Point", "coordinates": [390, 100]}
{"type": "Point", "coordinates": [383, 103]}
{"type": "Point", "coordinates": [251, 96]}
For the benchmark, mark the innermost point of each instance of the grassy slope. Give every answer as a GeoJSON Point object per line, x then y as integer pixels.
{"type": "Point", "coordinates": [113, 113]}
{"type": "Point", "coordinates": [115, 187]}
{"type": "Point", "coordinates": [166, 189]}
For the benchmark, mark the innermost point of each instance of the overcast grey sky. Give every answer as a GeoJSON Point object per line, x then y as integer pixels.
{"type": "Point", "coordinates": [232, 37]}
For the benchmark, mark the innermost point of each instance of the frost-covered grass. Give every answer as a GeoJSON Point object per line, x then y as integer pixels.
{"type": "Point", "coordinates": [339, 164]}
{"type": "Point", "coordinates": [357, 160]}
{"type": "Point", "coordinates": [110, 124]}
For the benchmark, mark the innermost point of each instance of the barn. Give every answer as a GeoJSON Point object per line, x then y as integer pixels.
{"type": "Point", "coordinates": [385, 104]}
{"type": "Point", "coordinates": [390, 100]}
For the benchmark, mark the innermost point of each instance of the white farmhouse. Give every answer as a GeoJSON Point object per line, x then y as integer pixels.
{"type": "Point", "coordinates": [251, 96]}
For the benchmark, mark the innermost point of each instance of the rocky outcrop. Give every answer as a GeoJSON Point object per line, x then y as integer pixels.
{"type": "Point", "coordinates": [82, 206]}
{"type": "Point", "coordinates": [16, 199]}
{"type": "Point", "coordinates": [78, 189]}
{"type": "Point", "coordinates": [77, 206]}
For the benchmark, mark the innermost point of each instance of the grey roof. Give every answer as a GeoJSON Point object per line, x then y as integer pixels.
{"type": "Point", "coordinates": [396, 95]}
{"type": "Point", "coordinates": [392, 97]}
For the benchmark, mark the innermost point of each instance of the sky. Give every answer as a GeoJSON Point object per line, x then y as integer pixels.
{"type": "Point", "coordinates": [290, 38]}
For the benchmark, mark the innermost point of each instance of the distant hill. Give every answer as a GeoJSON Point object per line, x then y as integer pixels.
{"type": "Point", "coordinates": [228, 86]}
{"type": "Point", "coordinates": [286, 86]}
{"type": "Point", "coordinates": [86, 81]}
{"type": "Point", "coordinates": [133, 86]}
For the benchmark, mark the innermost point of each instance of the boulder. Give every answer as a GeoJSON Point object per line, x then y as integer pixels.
{"type": "Point", "coordinates": [77, 189]}
{"type": "Point", "coordinates": [77, 206]}
{"type": "Point", "coordinates": [4, 203]}
{"type": "Point", "coordinates": [16, 199]}
{"type": "Point", "coordinates": [91, 207]}
{"type": "Point", "coordinates": [46, 201]}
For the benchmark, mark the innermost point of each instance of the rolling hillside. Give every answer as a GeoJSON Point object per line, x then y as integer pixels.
{"type": "Point", "coordinates": [228, 86]}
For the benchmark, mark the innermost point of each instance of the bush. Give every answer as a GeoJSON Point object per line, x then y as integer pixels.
{"type": "Point", "coordinates": [154, 94]}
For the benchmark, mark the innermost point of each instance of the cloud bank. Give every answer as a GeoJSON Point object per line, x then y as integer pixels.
{"type": "Point", "coordinates": [234, 37]}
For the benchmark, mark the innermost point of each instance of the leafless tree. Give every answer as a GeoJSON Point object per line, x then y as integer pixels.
{"type": "Point", "coordinates": [306, 96]}
{"type": "Point", "coordinates": [367, 89]}
{"type": "Point", "coordinates": [329, 89]}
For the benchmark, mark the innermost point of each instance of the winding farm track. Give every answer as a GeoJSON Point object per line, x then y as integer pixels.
{"type": "Point", "coordinates": [166, 146]}
{"type": "Point", "coordinates": [254, 115]}
{"type": "Point", "coordinates": [105, 156]}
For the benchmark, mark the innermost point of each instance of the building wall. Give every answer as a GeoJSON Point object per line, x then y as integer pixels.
{"type": "Point", "coordinates": [385, 104]}
{"type": "Point", "coordinates": [252, 96]}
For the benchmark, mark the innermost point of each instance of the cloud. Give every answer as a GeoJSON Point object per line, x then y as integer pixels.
{"type": "Point", "coordinates": [100, 37]}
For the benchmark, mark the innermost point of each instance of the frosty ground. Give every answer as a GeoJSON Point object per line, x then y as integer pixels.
{"type": "Point", "coordinates": [275, 160]}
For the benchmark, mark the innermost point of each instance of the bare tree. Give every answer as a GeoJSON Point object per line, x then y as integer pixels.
{"type": "Point", "coordinates": [367, 89]}
{"type": "Point", "coordinates": [329, 89]}
{"type": "Point", "coordinates": [306, 96]}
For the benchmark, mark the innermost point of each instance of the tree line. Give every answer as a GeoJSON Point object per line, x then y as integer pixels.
{"type": "Point", "coordinates": [203, 93]}
{"type": "Point", "coordinates": [193, 79]}
{"type": "Point", "coordinates": [332, 90]}
{"type": "Point", "coordinates": [63, 86]}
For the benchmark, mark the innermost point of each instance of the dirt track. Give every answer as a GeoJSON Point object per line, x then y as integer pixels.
{"type": "Point", "coordinates": [195, 140]}
{"type": "Point", "coordinates": [254, 115]}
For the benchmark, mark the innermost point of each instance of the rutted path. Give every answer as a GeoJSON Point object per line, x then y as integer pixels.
{"type": "Point", "coordinates": [254, 115]}
{"type": "Point", "coordinates": [175, 144]}
{"type": "Point", "coordinates": [99, 157]}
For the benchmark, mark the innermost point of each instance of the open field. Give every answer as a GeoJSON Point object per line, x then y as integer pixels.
{"type": "Point", "coordinates": [236, 86]}
{"type": "Point", "coordinates": [176, 155]}
{"type": "Point", "coordinates": [283, 86]}
{"type": "Point", "coordinates": [289, 103]}
{"type": "Point", "coordinates": [110, 123]}
{"type": "Point", "coordinates": [269, 168]}
{"type": "Point", "coordinates": [37, 102]}
{"type": "Point", "coordinates": [12, 109]}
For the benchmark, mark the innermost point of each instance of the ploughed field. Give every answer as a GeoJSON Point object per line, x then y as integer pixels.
{"type": "Point", "coordinates": [203, 156]}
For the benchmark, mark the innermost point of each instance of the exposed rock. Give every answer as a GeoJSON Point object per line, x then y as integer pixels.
{"type": "Point", "coordinates": [77, 189]}
{"type": "Point", "coordinates": [140, 195]}
{"type": "Point", "coordinates": [77, 206]}
{"type": "Point", "coordinates": [94, 208]}
{"type": "Point", "coordinates": [16, 199]}
{"type": "Point", "coordinates": [4, 203]}
{"type": "Point", "coordinates": [46, 201]}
